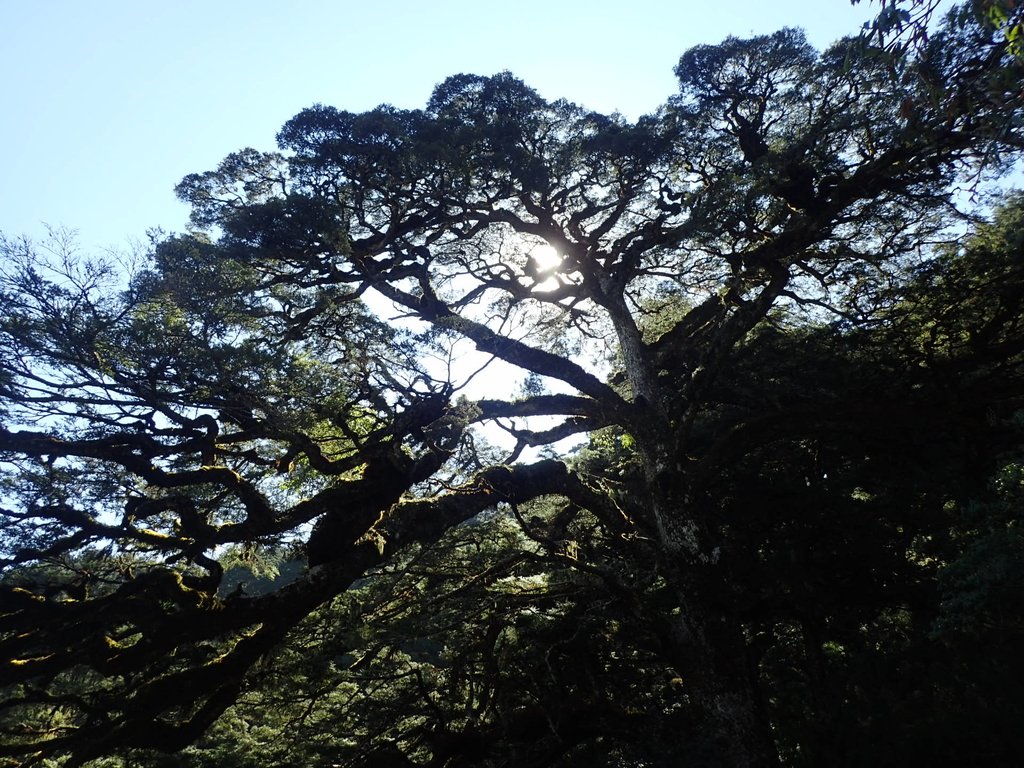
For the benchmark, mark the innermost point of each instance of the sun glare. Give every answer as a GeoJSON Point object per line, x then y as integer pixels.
{"type": "Point", "coordinates": [546, 257]}
{"type": "Point", "coordinates": [542, 263]}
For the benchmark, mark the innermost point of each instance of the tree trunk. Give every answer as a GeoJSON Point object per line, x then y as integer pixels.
{"type": "Point", "coordinates": [709, 648]}
{"type": "Point", "coordinates": [711, 656]}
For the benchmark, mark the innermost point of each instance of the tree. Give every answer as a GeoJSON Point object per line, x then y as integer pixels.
{"type": "Point", "coordinates": [237, 392]}
{"type": "Point", "coordinates": [907, 23]}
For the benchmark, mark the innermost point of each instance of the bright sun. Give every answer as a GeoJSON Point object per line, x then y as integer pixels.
{"type": "Point", "coordinates": [546, 257]}
{"type": "Point", "coordinates": [542, 264]}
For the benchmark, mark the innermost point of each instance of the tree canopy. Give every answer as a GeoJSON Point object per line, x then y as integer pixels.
{"type": "Point", "coordinates": [254, 510]}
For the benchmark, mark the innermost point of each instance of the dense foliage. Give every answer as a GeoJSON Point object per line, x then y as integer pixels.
{"type": "Point", "coordinates": [256, 512]}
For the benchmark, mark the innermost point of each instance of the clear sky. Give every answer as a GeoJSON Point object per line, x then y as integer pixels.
{"type": "Point", "coordinates": [106, 104]}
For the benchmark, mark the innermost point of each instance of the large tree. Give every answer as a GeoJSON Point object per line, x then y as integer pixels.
{"type": "Point", "coordinates": [289, 372]}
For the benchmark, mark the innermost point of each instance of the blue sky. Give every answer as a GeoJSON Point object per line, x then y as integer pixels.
{"type": "Point", "coordinates": [108, 103]}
